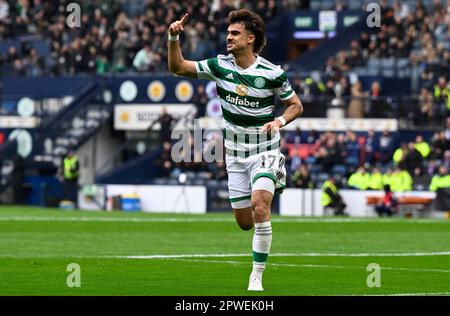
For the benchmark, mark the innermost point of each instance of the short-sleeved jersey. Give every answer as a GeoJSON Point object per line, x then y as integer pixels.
{"type": "Point", "coordinates": [247, 97]}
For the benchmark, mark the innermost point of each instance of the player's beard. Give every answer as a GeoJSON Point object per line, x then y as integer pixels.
{"type": "Point", "coordinates": [235, 48]}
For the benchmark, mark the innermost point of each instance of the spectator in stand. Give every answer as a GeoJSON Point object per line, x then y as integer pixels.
{"type": "Point", "coordinates": [376, 105]}
{"type": "Point", "coordinates": [446, 162]}
{"type": "Point", "coordinates": [386, 146]}
{"type": "Point", "coordinates": [356, 107]}
{"type": "Point", "coordinates": [296, 137]}
{"type": "Point", "coordinates": [331, 197]}
{"type": "Point", "coordinates": [312, 137]}
{"type": "Point", "coordinates": [441, 180]}
{"type": "Point", "coordinates": [413, 160]}
{"type": "Point", "coordinates": [359, 180]}
{"type": "Point", "coordinates": [447, 130]}
{"type": "Point", "coordinates": [388, 205]}
{"type": "Point", "coordinates": [4, 11]}
{"type": "Point", "coordinates": [144, 59]}
{"type": "Point", "coordinates": [165, 162]}
{"type": "Point", "coordinates": [341, 146]}
{"type": "Point", "coordinates": [441, 97]}
{"type": "Point", "coordinates": [399, 155]}
{"type": "Point", "coordinates": [422, 146]}
{"type": "Point", "coordinates": [388, 176]}
{"type": "Point", "coordinates": [438, 145]}
{"type": "Point", "coordinates": [296, 161]}
{"type": "Point", "coordinates": [352, 149]}
{"type": "Point", "coordinates": [376, 180]}
{"type": "Point", "coordinates": [34, 63]}
{"type": "Point", "coordinates": [102, 65]}
{"type": "Point", "coordinates": [200, 99]}
{"type": "Point", "coordinates": [165, 121]}
{"type": "Point", "coordinates": [302, 178]}
{"type": "Point", "coordinates": [217, 170]}
{"type": "Point", "coordinates": [324, 160]}
{"type": "Point", "coordinates": [371, 147]}
{"type": "Point", "coordinates": [425, 106]}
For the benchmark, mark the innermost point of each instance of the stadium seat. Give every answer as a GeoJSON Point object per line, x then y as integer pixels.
{"type": "Point", "coordinates": [160, 181]}
{"type": "Point", "coordinates": [322, 177]}
{"type": "Point", "coordinates": [191, 174]}
{"type": "Point", "coordinates": [373, 62]}
{"type": "Point", "coordinates": [340, 170]}
{"type": "Point", "coordinates": [372, 71]}
{"type": "Point", "coordinates": [310, 160]}
{"type": "Point", "coordinates": [352, 161]}
{"type": "Point", "coordinates": [198, 182]}
{"type": "Point", "coordinates": [213, 184]}
{"type": "Point", "coordinates": [314, 169]}
{"type": "Point", "coordinates": [203, 175]}
{"type": "Point", "coordinates": [387, 62]}
{"type": "Point", "coordinates": [402, 63]}
{"type": "Point", "coordinates": [388, 72]}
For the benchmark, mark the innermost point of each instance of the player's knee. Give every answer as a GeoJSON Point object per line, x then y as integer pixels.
{"type": "Point", "coordinates": [260, 211]}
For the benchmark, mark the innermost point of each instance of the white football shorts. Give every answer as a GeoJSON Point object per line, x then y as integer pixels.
{"type": "Point", "coordinates": [244, 172]}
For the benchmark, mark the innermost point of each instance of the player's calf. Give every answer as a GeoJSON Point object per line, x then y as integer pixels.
{"type": "Point", "coordinates": [244, 218]}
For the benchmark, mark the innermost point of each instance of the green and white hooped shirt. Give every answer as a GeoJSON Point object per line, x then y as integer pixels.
{"type": "Point", "coordinates": [247, 97]}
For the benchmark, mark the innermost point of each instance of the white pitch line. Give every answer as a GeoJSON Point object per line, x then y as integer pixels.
{"type": "Point", "coordinates": [313, 265]}
{"type": "Point", "coordinates": [207, 219]}
{"type": "Point", "coordinates": [222, 255]}
{"type": "Point", "coordinates": [270, 263]}
{"type": "Point", "coordinates": [236, 255]}
{"type": "Point", "coordinates": [407, 294]}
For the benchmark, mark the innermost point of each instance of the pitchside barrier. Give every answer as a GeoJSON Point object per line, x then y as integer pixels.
{"type": "Point", "coordinates": [293, 202]}
{"type": "Point", "coordinates": [306, 202]}
{"type": "Point", "coordinates": [151, 198]}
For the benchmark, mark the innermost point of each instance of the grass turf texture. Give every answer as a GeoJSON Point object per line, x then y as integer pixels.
{"type": "Point", "coordinates": [36, 245]}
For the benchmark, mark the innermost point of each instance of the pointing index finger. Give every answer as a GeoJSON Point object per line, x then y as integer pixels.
{"type": "Point", "coordinates": [183, 19]}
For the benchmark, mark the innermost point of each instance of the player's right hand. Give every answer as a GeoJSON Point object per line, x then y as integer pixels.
{"type": "Point", "coordinates": [177, 27]}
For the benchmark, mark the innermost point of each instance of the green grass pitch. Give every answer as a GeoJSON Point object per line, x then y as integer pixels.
{"type": "Point", "coordinates": [209, 254]}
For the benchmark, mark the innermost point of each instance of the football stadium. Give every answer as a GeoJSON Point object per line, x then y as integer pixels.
{"type": "Point", "coordinates": [201, 148]}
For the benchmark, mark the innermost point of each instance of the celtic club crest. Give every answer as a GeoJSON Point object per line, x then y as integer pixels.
{"type": "Point", "coordinates": [259, 82]}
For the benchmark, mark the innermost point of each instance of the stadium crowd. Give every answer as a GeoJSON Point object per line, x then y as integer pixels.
{"type": "Point", "coordinates": [419, 35]}
{"type": "Point", "coordinates": [115, 37]}
{"type": "Point", "coordinates": [365, 161]}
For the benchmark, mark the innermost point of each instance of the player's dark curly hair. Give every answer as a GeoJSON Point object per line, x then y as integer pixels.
{"type": "Point", "coordinates": [253, 23]}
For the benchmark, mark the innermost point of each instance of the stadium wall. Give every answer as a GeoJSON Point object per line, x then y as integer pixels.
{"type": "Point", "coordinates": [194, 200]}
{"type": "Point", "coordinates": [305, 202]}
{"type": "Point", "coordinates": [152, 198]}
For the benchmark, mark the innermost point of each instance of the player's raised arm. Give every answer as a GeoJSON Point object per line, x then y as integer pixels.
{"type": "Point", "coordinates": [177, 64]}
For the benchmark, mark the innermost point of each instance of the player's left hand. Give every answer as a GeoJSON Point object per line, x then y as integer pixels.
{"type": "Point", "coordinates": [271, 128]}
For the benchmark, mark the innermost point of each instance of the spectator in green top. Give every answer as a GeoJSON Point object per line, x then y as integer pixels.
{"type": "Point", "coordinates": [422, 146]}
{"type": "Point", "coordinates": [401, 181]}
{"type": "Point", "coordinates": [399, 154]}
{"type": "Point", "coordinates": [360, 179]}
{"type": "Point", "coordinates": [397, 181]}
{"type": "Point", "coordinates": [407, 180]}
{"type": "Point", "coordinates": [441, 180]}
{"type": "Point", "coordinates": [387, 177]}
{"type": "Point", "coordinates": [376, 180]}
{"type": "Point", "coordinates": [302, 179]}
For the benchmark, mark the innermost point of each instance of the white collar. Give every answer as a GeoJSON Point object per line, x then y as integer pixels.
{"type": "Point", "coordinates": [251, 67]}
